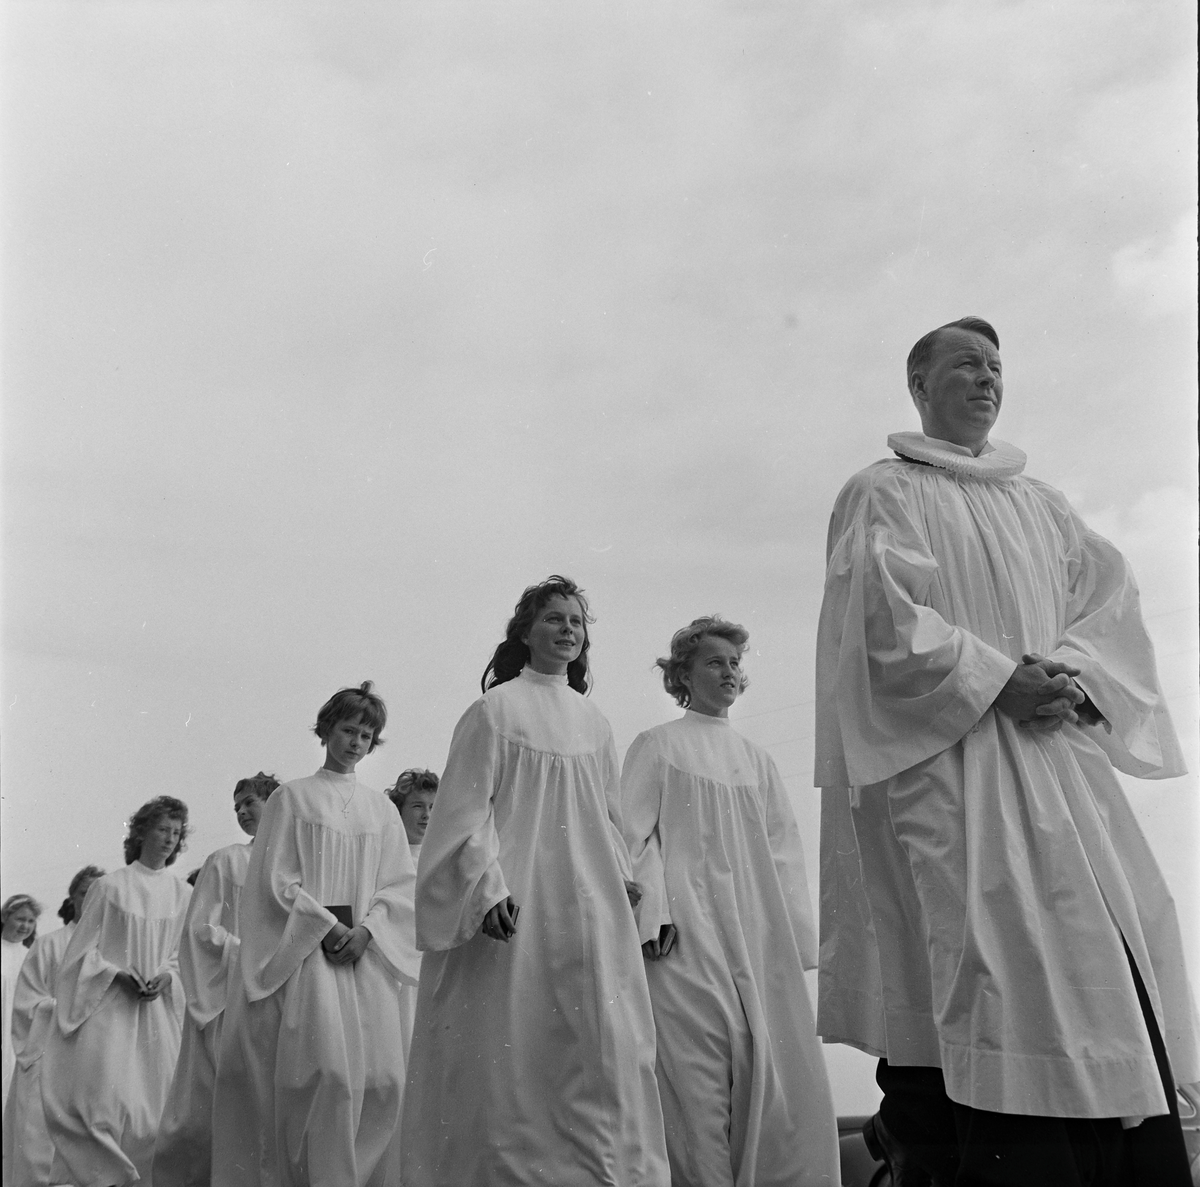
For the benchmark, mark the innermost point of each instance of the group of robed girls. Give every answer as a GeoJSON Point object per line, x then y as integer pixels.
{"type": "Point", "coordinates": [608, 965]}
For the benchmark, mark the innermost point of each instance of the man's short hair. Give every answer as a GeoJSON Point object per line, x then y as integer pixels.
{"type": "Point", "coordinates": [921, 354]}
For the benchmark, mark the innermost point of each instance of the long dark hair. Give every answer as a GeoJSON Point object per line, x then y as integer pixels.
{"type": "Point", "coordinates": [512, 655]}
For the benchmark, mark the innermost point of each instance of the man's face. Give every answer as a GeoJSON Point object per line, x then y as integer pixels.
{"type": "Point", "coordinates": [959, 393]}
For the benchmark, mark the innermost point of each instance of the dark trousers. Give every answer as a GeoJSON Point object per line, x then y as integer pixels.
{"type": "Point", "coordinates": [964, 1147]}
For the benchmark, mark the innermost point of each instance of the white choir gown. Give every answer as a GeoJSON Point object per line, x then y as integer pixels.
{"type": "Point", "coordinates": [979, 881]}
{"type": "Point", "coordinates": [110, 1056]}
{"type": "Point", "coordinates": [207, 953]}
{"type": "Point", "coordinates": [12, 956]}
{"type": "Point", "coordinates": [28, 1151]}
{"type": "Point", "coordinates": [408, 993]}
{"type": "Point", "coordinates": [311, 1068]}
{"type": "Point", "coordinates": [532, 1061]}
{"type": "Point", "coordinates": [714, 843]}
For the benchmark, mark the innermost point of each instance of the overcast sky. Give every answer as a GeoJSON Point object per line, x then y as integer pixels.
{"type": "Point", "coordinates": [328, 328]}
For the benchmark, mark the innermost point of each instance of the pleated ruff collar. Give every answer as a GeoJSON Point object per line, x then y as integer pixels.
{"type": "Point", "coordinates": [1000, 462]}
{"type": "Point", "coordinates": [527, 673]}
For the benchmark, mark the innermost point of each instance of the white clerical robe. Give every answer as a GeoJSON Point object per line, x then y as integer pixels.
{"type": "Point", "coordinates": [532, 1061]}
{"type": "Point", "coordinates": [110, 1056]}
{"type": "Point", "coordinates": [715, 847]}
{"type": "Point", "coordinates": [979, 879]}
{"type": "Point", "coordinates": [28, 1151]}
{"type": "Point", "coordinates": [207, 952]}
{"type": "Point", "coordinates": [12, 957]}
{"type": "Point", "coordinates": [311, 1067]}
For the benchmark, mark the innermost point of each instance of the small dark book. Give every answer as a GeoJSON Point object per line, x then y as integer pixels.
{"type": "Point", "coordinates": [344, 916]}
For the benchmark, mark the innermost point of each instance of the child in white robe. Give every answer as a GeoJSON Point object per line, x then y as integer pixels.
{"type": "Point", "coordinates": [532, 1059]}
{"type": "Point", "coordinates": [18, 930]}
{"type": "Point", "coordinates": [413, 796]}
{"type": "Point", "coordinates": [28, 1152]}
{"type": "Point", "coordinates": [207, 953]}
{"type": "Point", "coordinates": [111, 1054]}
{"type": "Point", "coordinates": [728, 931]}
{"type": "Point", "coordinates": [311, 1068]}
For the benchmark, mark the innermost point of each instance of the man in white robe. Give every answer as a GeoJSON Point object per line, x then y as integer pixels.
{"type": "Point", "coordinates": [992, 917]}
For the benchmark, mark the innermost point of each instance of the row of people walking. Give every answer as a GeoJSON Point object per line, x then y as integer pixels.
{"type": "Point", "coordinates": [580, 975]}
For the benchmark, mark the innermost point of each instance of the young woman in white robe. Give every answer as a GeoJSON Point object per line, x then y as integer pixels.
{"type": "Point", "coordinates": [311, 1068]}
{"type": "Point", "coordinates": [413, 796]}
{"type": "Point", "coordinates": [28, 1151]}
{"type": "Point", "coordinates": [111, 1053]}
{"type": "Point", "coordinates": [207, 954]}
{"type": "Point", "coordinates": [727, 928]}
{"type": "Point", "coordinates": [532, 1059]}
{"type": "Point", "coordinates": [18, 928]}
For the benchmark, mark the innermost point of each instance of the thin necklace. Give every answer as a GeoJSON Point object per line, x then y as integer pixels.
{"type": "Point", "coordinates": [346, 802]}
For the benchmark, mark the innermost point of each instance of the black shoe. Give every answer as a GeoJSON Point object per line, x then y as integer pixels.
{"type": "Point", "coordinates": [904, 1171]}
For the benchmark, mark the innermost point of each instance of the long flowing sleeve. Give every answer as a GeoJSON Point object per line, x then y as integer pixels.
{"type": "Point", "coordinates": [787, 851]}
{"type": "Point", "coordinates": [87, 975]}
{"type": "Point", "coordinates": [896, 682]}
{"type": "Point", "coordinates": [281, 922]}
{"type": "Point", "coordinates": [642, 780]}
{"type": "Point", "coordinates": [459, 879]}
{"type": "Point", "coordinates": [1107, 640]}
{"type": "Point", "coordinates": [33, 1000]}
{"type": "Point", "coordinates": [208, 947]}
{"type": "Point", "coordinates": [390, 918]}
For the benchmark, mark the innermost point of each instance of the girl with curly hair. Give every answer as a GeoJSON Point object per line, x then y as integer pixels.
{"type": "Point", "coordinates": [533, 1051]}
{"type": "Point", "coordinates": [28, 1152]}
{"type": "Point", "coordinates": [18, 928]}
{"type": "Point", "coordinates": [111, 1053]}
{"type": "Point", "coordinates": [727, 931]}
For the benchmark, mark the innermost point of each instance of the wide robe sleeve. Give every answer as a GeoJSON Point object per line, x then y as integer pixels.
{"type": "Point", "coordinates": [459, 878]}
{"type": "Point", "coordinates": [1107, 640]}
{"type": "Point", "coordinates": [281, 922]}
{"type": "Point", "coordinates": [642, 780]}
{"type": "Point", "coordinates": [612, 801]}
{"type": "Point", "coordinates": [33, 1001]}
{"type": "Point", "coordinates": [390, 917]}
{"type": "Point", "coordinates": [86, 975]}
{"type": "Point", "coordinates": [207, 948]}
{"type": "Point", "coordinates": [896, 683]}
{"type": "Point", "coordinates": [787, 851]}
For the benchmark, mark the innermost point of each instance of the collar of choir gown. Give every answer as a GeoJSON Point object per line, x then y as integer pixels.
{"type": "Point", "coordinates": [704, 718]}
{"type": "Point", "coordinates": [146, 869]}
{"type": "Point", "coordinates": [999, 461]}
{"type": "Point", "coordinates": [336, 776]}
{"type": "Point", "coordinates": [527, 673]}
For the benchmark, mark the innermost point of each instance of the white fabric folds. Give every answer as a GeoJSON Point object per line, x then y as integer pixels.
{"type": "Point", "coordinates": [207, 954]}
{"type": "Point", "coordinates": [110, 1056]}
{"type": "Point", "coordinates": [28, 1151]}
{"type": "Point", "coordinates": [972, 870]}
{"type": "Point", "coordinates": [532, 1062]}
{"type": "Point", "coordinates": [311, 1063]}
{"type": "Point", "coordinates": [715, 847]}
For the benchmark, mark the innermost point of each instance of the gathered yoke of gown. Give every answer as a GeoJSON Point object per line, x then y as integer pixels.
{"type": "Point", "coordinates": [207, 954]}
{"type": "Point", "coordinates": [980, 881]}
{"type": "Point", "coordinates": [532, 1061]}
{"type": "Point", "coordinates": [311, 1066]}
{"type": "Point", "coordinates": [28, 1151]}
{"type": "Point", "coordinates": [716, 849]}
{"type": "Point", "coordinates": [110, 1057]}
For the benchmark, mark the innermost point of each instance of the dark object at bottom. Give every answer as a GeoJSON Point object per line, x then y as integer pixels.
{"type": "Point", "coordinates": [884, 1148]}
